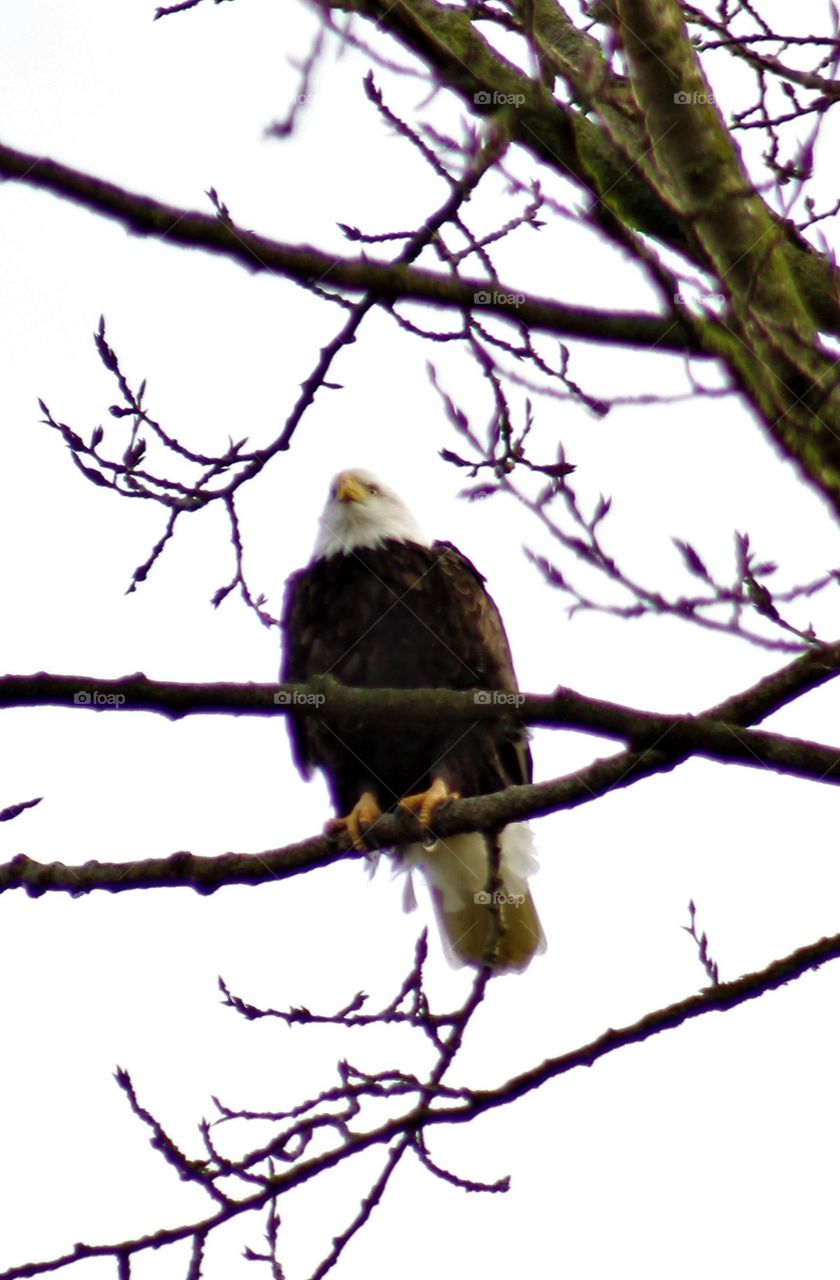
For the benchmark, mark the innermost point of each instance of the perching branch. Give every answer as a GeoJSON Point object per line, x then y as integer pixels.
{"type": "Point", "coordinates": [658, 743]}
{"type": "Point", "coordinates": [682, 741]}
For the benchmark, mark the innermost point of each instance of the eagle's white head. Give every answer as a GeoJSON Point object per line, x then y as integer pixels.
{"type": "Point", "coordinates": [361, 511]}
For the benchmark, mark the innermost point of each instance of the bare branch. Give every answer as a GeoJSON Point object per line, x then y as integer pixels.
{"type": "Point", "coordinates": [658, 744]}
{"type": "Point", "coordinates": [14, 810]}
{"type": "Point", "coordinates": [385, 282]}
{"type": "Point", "coordinates": [710, 965]}
{"type": "Point", "coordinates": [429, 1112]}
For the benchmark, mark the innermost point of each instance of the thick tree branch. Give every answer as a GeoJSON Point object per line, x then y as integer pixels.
{"type": "Point", "coordinates": [563, 709]}
{"type": "Point", "coordinates": [770, 336]}
{"type": "Point", "coordinates": [720, 742]}
{"type": "Point", "coordinates": [658, 744]}
{"type": "Point", "coordinates": [606, 156]}
{"type": "Point", "coordinates": [384, 282]}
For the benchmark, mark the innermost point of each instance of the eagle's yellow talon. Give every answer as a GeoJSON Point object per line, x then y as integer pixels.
{"type": "Point", "coordinates": [364, 815]}
{"type": "Point", "coordinates": [426, 803]}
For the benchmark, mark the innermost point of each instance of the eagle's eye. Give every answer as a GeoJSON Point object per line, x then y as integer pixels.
{"type": "Point", "coordinates": [373, 489]}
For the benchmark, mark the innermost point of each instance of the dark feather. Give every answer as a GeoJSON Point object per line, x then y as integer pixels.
{"type": "Point", "coordinates": [400, 616]}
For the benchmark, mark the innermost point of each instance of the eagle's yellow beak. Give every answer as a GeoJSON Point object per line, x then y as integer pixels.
{"type": "Point", "coordinates": [348, 488]}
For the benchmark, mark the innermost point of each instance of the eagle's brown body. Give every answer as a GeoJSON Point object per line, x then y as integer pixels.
{"type": "Point", "coordinates": [400, 616]}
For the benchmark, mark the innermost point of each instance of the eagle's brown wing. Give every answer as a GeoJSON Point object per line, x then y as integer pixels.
{"type": "Point", "coordinates": [484, 649]}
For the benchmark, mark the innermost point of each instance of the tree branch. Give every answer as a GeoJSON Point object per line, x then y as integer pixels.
{"type": "Point", "coordinates": [718, 998]}
{"type": "Point", "coordinates": [385, 282]}
{"type": "Point", "coordinates": [562, 709]}
{"type": "Point", "coordinates": [660, 743]}
{"type": "Point", "coordinates": [605, 155]}
{"type": "Point", "coordinates": [769, 337]}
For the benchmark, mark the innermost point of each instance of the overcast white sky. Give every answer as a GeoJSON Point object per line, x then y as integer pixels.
{"type": "Point", "coordinates": [708, 1150]}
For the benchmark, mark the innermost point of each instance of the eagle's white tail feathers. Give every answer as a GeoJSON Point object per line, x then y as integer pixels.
{"type": "Point", "coordinates": [476, 929]}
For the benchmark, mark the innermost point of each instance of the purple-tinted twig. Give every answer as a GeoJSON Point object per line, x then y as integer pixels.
{"type": "Point", "coordinates": [12, 810]}
{"type": "Point", "coordinates": [710, 965]}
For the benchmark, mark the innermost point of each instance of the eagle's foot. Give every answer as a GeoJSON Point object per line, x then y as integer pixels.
{"type": "Point", "coordinates": [364, 814]}
{"type": "Point", "coordinates": [426, 803]}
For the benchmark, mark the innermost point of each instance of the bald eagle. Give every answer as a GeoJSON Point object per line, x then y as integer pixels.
{"type": "Point", "coordinates": [380, 606]}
